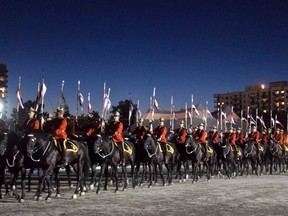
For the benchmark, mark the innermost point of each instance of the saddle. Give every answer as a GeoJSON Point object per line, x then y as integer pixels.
{"type": "Point", "coordinates": [125, 147]}
{"type": "Point", "coordinates": [169, 148]}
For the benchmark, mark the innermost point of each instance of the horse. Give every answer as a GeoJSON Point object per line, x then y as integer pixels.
{"type": "Point", "coordinates": [182, 159]}
{"type": "Point", "coordinates": [250, 155]}
{"type": "Point", "coordinates": [140, 158]}
{"type": "Point", "coordinates": [3, 146]}
{"type": "Point", "coordinates": [232, 161]}
{"type": "Point", "coordinates": [156, 157]}
{"type": "Point", "coordinates": [105, 147]}
{"type": "Point", "coordinates": [15, 161]}
{"type": "Point", "coordinates": [43, 153]}
{"type": "Point", "coordinates": [274, 155]}
{"type": "Point", "coordinates": [197, 155]}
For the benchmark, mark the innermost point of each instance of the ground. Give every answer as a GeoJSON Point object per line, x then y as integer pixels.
{"type": "Point", "coordinates": [252, 195]}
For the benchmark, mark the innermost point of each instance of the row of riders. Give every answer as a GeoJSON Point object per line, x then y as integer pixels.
{"type": "Point", "coordinates": [104, 144]}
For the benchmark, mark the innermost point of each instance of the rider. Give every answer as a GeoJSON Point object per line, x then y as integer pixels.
{"type": "Point", "coordinates": [254, 137]}
{"type": "Point", "coordinates": [264, 137]}
{"type": "Point", "coordinates": [279, 137]}
{"type": "Point", "coordinates": [59, 129]}
{"type": "Point", "coordinates": [115, 129]}
{"type": "Point", "coordinates": [270, 134]}
{"type": "Point", "coordinates": [90, 126]}
{"type": "Point", "coordinates": [160, 132]}
{"type": "Point", "coordinates": [31, 122]}
{"type": "Point", "coordinates": [201, 137]}
{"type": "Point", "coordinates": [180, 133]}
{"type": "Point", "coordinates": [240, 138]}
{"type": "Point", "coordinates": [139, 131]}
{"type": "Point", "coordinates": [48, 123]}
{"type": "Point", "coordinates": [213, 135]}
{"type": "Point", "coordinates": [195, 132]}
{"type": "Point", "coordinates": [232, 141]}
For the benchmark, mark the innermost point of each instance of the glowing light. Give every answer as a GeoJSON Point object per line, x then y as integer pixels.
{"type": "Point", "coordinates": [262, 86]}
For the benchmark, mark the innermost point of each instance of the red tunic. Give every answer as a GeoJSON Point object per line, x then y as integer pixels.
{"type": "Point", "coordinates": [160, 132]}
{"type": "Point", "coordinates": [181, 133]}
{"type": "Point", "coordinates": [60, 125]}
{"type": "Point", "coordinates": [202, 135]}
{"type": "Point", "coordinates": [254, 137]}
{"type": "Point", "coordinates": [31, 124]}
{"type": "Point", "coordinates": [139, 132]}
{"type": "Point", "coordinates": [280, 138]}
{"type": "Point", "coordinates": [214, 136]}
{"type": "Point", "coordinates": [115, 128]}
{"type": "Point", "coordinates": [264, 138]}
{"type": "Point", "coordinates": [239, 138]}
{"type": "Point", "coordinates": [232, 138]}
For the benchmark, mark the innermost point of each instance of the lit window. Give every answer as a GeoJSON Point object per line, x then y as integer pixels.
{"type": "Point", "coordinates": [276, 92]}
{"type": "Point", "coordinates": [282, 92]}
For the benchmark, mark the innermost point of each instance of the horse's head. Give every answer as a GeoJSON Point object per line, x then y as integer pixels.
{"type": "Point", "coordinates": [148, 141]}
{"type": "Point", "coordinates": [97, 143]}
{"type": "Point", "coordinates": [190, 141]}
{"type": "Point", "coordinates": [36, 140]}
{"type": "Point", "coordinates": [170, 135]}
{"type": "Point", "coordinates": [3, 142]}
{"type": "Point", "coordinates": [248, 148]}
{"type": "Point", "coordinates": [272, 145]}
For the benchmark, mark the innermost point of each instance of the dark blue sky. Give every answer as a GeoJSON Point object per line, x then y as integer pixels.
{"type": "Point", "coordinates": [179, 47]}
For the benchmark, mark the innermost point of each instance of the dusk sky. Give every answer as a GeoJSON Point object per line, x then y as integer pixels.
{"type": "Point", "coordinates": [180, 47]}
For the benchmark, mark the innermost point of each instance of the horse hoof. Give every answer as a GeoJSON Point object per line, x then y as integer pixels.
{"type": "Point", "coordinates": [82, 193]}
{"type": "Point", "coordinates": [84, 188]}
{"type": "Point", "coordinates": [116, 191]}
{"type": "Point", "coordinates": [39, 198]}
{"type": "Point", "coordinates": [57, 195]}
{"type": "Point", "coordinates": [97, 191]}
{"type": "Point", "coordinates": [48, 199]}
{"type": "Point", "coordinates": [124, 189]}
{"type": "Point", "coordinates": [74, 196]}
{"type": "Point", "coordinates": [208, 180]}
{"type": "Point", "coordinates": [92, 187]}
{"type": "Point", "coordinates": [149, 186]}
{"type": "Point", "coordinates": [21, 200]}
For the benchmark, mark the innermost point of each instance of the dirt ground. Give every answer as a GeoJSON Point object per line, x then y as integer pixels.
{"type": "Point", "coordinates": [252, 195]}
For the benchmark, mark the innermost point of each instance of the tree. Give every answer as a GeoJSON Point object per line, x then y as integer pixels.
{"type": "Point", "coordinates": [123, 108]}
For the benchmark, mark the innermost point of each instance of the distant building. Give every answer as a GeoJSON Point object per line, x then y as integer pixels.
{"type": "Point", "coordinates": [3, 88]}
{"type": "Point", "coordinates": [274, 98]}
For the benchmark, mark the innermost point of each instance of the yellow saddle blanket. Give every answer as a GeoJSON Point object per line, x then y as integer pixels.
{"type": "Point", "coordinates": [68, 144]}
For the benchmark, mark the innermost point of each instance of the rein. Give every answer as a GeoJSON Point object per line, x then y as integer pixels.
{"type": "Point", "coordinates": [44, 152]}
{"type": "Point", "coordinates": [190, 152]}
{"type": "Point", "coordinates": [102, 155]}
{"type": "Point", "coordinates": [151, 155]}
{"type": "Point", "coordinates": [14, 157]}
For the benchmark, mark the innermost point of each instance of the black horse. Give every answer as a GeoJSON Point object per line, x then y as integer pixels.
{"type": "Point", "coordinates": [159, 156]}
{"type": "Point", "coordinates": [197, 155]}
{"type": "Point", "coordinates": [110, 154]}
{"type": "Point", "coordinates": [141, 158]}
{"type": "Point", "coordinates": [43, 153]}
{"type": "Point", "coordinates": [15, 160]}
{"type": "Point", "coordinates": [250, 157]}
{"type": "Point", "coordinates": [232, 159]}
{"type": "Point", "coordinates": [3, 146]}
{"type": "Point", "coordinates": [183, 158]}
{"type": "Point", "coordinates": [274, 156]}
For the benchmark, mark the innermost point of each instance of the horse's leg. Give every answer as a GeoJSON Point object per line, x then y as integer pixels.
{"type": "Point", "coordinates": [124, 171]}
{"type": "Point", "coordinates": [13, 181]}
{"type": "Point", "coordinates": [68, 171]}
{"type": "Point", "coordinates": [150, 167]}
{"type": "Point", "coordinates": [23, 176]}
{"type": "Point", "coordinates": [93, 176]}
{"type": "Point", "coordinates": [29, 178]}
{"type": "Point", "coordinates": [79, 184]}
{"type": "Point", "coordinates": [103, 167]}
{"type": "Point", "coordinates": [132, 173]}
{"type": "Point", "coordinates": [115, 168]}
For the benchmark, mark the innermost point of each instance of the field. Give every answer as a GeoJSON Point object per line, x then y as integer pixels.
{"type": "Point", "coordinates": [252, 195]}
